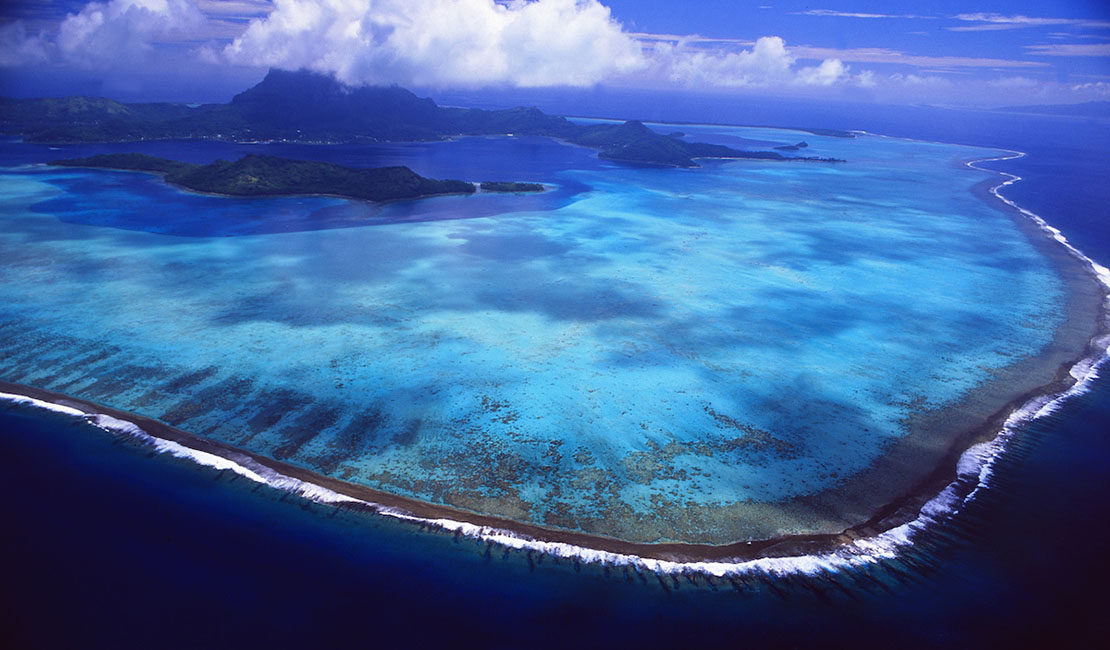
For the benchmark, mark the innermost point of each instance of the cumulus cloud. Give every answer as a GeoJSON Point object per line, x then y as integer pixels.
{"type": "Point", "coordinates": [117, 34]}
{"type": "Point", "coordinates": [119, 31]}
{"type": "Point", "coordinates": [1099, 88]}
{"type": "Point", "coordinates": [919, 81]}
{"type": "Point", "coordinates": [523, 43]}
{"type": "Point", "coordinates": [442, 42]}
{"type": "Point", "coordinates": [18, 47]}
{"type": "Point", "coordinates": [827, 73]}
{"type": "Point", "coordinates": [767, 63]}
{"type": "Point", "coordinates": [866, 79]}
{"type": "Point", "coordinates": [467, 43]}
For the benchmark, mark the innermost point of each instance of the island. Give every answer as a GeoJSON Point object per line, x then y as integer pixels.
{"type": "Point", "coordinates": [793, 147]}
{"type": "Point", "coordinates": [1082, 109]}
{"type": "Point", "coordinates": [502, 186]}
{"type": "Point", "coordinates": [256, 175]}
{"type": "Point", "coordinates": [308, 107]}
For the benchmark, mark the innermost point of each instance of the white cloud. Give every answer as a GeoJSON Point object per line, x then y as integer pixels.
{"type": "Point", "coordinates": [1069, 36]}
{"type": "Point", "coordinates": [919, 81]}
{"type": "Point", "coordinates": [442, 42]}
{"type": "Point", "coordinates": [853, 14]}
{"type": "Point", "coordinates": [985, 22]}
{"type": "Point", "coordinates": [126, 33]}
{"type": "Point", "coordinates": [17, 47]}
{"type": "Point", "coordinates": [507, 42]}
{"type": "Point", "coordinates": [418, 42]}
{"type": "Point", "coordinates": [1070, 49]}
{"type": "Point", "coordinates": [1098, 88]}
{"type": "Point", "coordinates": [119, 31]}
{"type": "Point", "coordinates": [985, 27]}
{"type": "Point", "coordinates": [886, 55]}
{"type": "Point", "coordinates": [767, 63]}
{"type": "Point", "coordinates": [827, 73]}
{"type": "Point", "coordinates": [647, 37]}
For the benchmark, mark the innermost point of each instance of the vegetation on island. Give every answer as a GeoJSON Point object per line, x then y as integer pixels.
{"type": "Point", "coordinates": [503, 186]}
{"type": "Point", "coordinates": [308, 107]}
{"type": "Point", "coordinates": [634, 142]}
{"type": "Point", "coordinates": [793, 147]}
{"type": "Point", "coordinates": [255, 175]}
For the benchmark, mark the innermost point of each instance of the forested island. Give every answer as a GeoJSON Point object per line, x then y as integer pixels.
{"type": "Point", "coordinates": [308, 107]}
{"type": "Point", "coordinates": [502, 186]}
{"type": "Point", "coordinates": [793, 147]}
{"type": "Point", "coordinates": [255, 175]}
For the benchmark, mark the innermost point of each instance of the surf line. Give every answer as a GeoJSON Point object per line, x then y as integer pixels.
{"type": "Point", "coordinates": [1086, 370]}
{"type": "Point", "coordinates": [973, 472]}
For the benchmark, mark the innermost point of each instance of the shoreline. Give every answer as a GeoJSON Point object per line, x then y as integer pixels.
{"type": "Point", "coordinates": [891, 520]}
{"type": "Point", "coordinates": [190, 190]}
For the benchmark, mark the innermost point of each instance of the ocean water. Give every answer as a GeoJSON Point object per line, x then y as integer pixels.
{"type": "Point", "coordinates": [642, 353]}
{"type": "Point", "coordinates": [118, 545]}
{"type": "Point", "coordinates": [1021, 564]}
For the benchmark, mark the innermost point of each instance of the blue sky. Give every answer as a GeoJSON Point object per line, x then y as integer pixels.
{"type": "Point", "coordinates": [977, 53]}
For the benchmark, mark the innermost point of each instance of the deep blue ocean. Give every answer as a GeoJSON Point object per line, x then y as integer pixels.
{"type": "Point", "coordinates": [108, 544]}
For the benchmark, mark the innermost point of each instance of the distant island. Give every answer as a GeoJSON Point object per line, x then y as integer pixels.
{"type": "Point", "coordinates": [1083, 109]}
{"type": "Point", "coordinates": [308, 107]}
{"type": "Point", "coordinates": [793, 147]}
{"type": "Point", "coordinates": [502, 186]}
{"type": "Point", "coordinates": [255, 175]}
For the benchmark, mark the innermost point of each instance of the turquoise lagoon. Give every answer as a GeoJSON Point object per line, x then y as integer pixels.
{"type": "Point", "coordinates": [741, 351]}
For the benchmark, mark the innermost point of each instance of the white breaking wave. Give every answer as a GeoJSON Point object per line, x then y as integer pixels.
{"type": "Point", "coordinates": [49, 406]}
{"type": "Point", "coordinates": [973, 472]}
